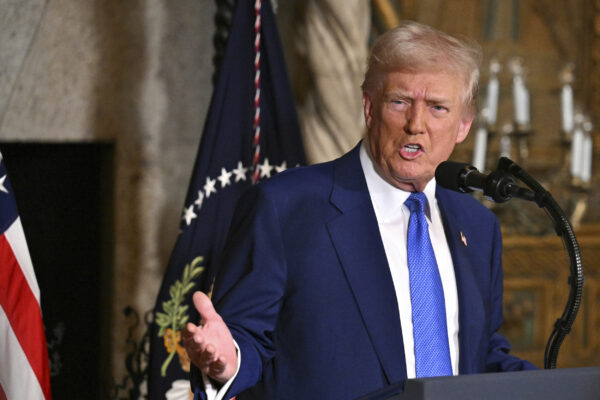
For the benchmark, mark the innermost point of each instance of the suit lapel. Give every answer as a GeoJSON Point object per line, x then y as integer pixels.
{"type": "Point", "coordinates": [470, 302]}
{"type": "Point", "coordinates": [357, 241]}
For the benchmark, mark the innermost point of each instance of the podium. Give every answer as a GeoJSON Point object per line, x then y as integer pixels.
{"type": "Point", "coordinates": [549, 384]}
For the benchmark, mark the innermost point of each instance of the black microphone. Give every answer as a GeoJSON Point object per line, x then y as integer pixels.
{"type": "Point", "coordinates": [498, 186]}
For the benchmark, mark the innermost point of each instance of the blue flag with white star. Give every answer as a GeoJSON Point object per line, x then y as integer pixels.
{"type": "Point", "coordinates": [252, 105]}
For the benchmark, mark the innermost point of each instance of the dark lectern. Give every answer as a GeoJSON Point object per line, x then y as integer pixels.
{"type": "Point", "coordinates": [549, 384]}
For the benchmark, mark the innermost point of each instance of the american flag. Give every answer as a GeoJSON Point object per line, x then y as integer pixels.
{"type": "Point", "coordinates": [252, 95]}
{"type": "Point", "coordinates": [24, 370]}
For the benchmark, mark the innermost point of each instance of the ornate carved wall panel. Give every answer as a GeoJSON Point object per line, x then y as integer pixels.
{"type": "Point", "coordinates": [536, 270]}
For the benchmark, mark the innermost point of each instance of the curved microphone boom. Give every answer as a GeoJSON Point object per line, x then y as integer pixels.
{"type": "Point", "coordinates": [498, 186]}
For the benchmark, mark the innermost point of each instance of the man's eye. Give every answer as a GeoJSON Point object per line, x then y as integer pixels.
{"type": "Point", "coordinates": [439, 108]}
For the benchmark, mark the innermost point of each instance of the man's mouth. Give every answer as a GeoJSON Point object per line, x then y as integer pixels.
{"type": "Point", "coordinates": [412, 148]}
{"type": "Point", "coordinates": [411, 151]}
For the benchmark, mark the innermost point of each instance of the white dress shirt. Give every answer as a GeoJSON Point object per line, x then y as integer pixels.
{"type": "Point", "coordinates": [392, 218]}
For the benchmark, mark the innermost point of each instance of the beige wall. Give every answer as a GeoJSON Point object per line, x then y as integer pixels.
{"type": "Point", "coordinates": [136, 73]}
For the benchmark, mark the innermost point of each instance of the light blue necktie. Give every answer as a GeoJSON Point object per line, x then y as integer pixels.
{"type": "Point", "coordinates": [432, 353]}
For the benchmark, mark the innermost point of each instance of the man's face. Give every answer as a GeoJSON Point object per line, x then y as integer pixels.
{"type": "Point", "coordinates": [413, 124]}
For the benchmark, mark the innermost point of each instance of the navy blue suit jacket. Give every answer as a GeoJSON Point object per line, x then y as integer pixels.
{"type": "Point", "coordinates": [307, 293]}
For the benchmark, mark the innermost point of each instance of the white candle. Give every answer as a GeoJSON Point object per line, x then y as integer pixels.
{"type": "Point", "coordinates": [586, 158]}
{"type": "Point", "coordinates": [480, 149]}
{"type": "Point", "coordinates": [521, 100]}
{"type": "Point", "coordinates": [566, 101]}
{"type": "Point", "coordinates": [493, 88]}
{"type": "Point", "coordinates": [505, 145]}
{"type": "Point", "coordinates": [576, 153]}
{"type": "Point", "coordinates": [526, 117]}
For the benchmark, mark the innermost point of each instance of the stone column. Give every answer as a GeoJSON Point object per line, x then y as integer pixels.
{"type": "Point", "coordinates": [332, 46]}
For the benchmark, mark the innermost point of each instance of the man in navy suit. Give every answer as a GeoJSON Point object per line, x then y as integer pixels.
{"type": "Point", "coordinates": [313, 299]}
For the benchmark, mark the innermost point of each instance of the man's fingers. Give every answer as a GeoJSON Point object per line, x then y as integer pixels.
{"type": "Point", "coordinates": [194, 338]}
{"type": "Point", "coordinates": [208, 356]}
{"type": "Point", "coordinates": [218, 366]}
{"type": "Point", "coordinates": [210, 352]}
{"type": "Point", "coordinates": [188, 331]}
{"type": "Point", "coordinates": [204, 306]}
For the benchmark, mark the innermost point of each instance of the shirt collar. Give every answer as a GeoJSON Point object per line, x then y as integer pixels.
{"type": "Point", "coordinates": [387, 199]}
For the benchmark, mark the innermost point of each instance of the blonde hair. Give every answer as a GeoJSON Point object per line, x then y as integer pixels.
{"type": "Point", "coordinates": [416, 47]}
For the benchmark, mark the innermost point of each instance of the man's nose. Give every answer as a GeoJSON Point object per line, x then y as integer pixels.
{"type": "Point", "coordinates": [415, 123]}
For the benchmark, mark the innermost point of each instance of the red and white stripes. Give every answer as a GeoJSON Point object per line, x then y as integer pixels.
{"type": "Point", "coordinates": [256, 123]}
{"type": "Point", "coordinates": [24, 370]}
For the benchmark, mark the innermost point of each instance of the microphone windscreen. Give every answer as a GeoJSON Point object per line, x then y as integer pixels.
{"type": "Point", "coordinates": [448, 175]}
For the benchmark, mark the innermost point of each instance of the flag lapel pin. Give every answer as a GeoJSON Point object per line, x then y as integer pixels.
{"type": "Point", "coordinates": [463, 239]}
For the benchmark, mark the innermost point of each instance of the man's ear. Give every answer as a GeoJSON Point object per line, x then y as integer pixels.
{"type": "Point", "coordinates": [367, 109]}
{"type": "Point", "coordinates": [463, 129]}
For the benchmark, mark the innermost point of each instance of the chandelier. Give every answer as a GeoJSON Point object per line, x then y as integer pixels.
{"type": "Point", "coordinates": [570, 181]}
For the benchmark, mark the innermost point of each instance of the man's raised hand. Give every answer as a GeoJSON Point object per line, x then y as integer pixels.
{"type": "Point", "coordinates": [210, 345]}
